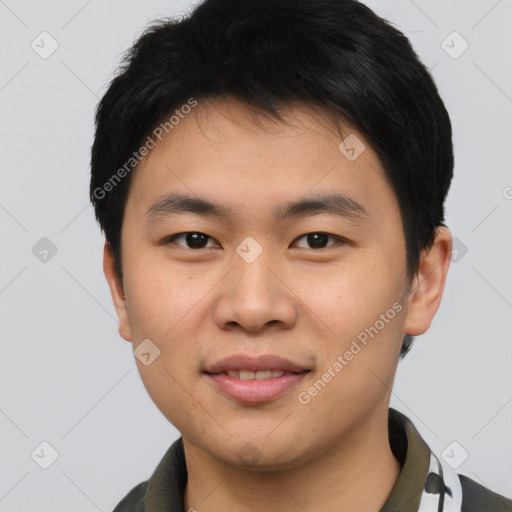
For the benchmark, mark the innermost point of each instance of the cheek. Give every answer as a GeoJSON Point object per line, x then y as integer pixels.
{"type": "Point", "coordinates": [166, 312]}
{"type": "Point", "coordinates": [350, 295]}
{"type": "Point", "coordinates": [160, 294]}
{"type": "Point", "coordinates": [362, 306]}
{"type": "Point", "coordinates": [358, 352]}
{"type": "Point", "coordinates": [169, 308]}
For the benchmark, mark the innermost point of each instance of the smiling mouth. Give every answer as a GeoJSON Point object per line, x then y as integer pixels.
{"type": "Point", "coordinates": [257, 375]}
{"type": "Point", "coordinates": [252, 387]}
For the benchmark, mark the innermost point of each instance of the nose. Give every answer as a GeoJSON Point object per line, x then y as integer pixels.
{"type": "Point", "coordinates": [254, 296]}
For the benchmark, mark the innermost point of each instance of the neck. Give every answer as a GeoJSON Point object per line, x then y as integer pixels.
{"type": "Point", "coordinates": [357, 473]}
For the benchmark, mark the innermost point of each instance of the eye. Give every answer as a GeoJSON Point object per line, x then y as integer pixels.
{"type": "Point", "coordinates": [318, 240]}
{"type": "Point", "coordinates": [198, 240]}
{"type": "Point", "coordinates": [193, 239]}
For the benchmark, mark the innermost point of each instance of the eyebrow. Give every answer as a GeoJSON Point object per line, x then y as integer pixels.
{"type": "Point", "coordinates": [338, 204]}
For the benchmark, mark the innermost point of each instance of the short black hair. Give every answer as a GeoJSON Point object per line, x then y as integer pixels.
{"type": "Point", "coordinates": [336, 54]}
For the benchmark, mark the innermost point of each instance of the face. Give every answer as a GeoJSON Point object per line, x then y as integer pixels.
{"type": "Point", "coordinates": [320, 285]}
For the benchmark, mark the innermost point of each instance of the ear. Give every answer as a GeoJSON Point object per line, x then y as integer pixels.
{"type": "Point", "coordinates": [428, 284]}
{"type": "Point", "coordinates": [116, 289]}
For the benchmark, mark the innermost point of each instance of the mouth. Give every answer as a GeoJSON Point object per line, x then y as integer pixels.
{"type": "Point", "coordinates": [257, 375]}
{"type": "Point", "coordinates": [252, 380]}
{"type": "Point", "coordinates": [245, 365]}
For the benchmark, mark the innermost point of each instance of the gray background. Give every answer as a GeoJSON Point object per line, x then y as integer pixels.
{"type": "Point", "coordinates": [67, 378]}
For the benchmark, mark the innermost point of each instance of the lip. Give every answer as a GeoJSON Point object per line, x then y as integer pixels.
{"type": "Point", "coordinates": [255, 390]}
{"type": "Point", "coordinates": [254, 364]}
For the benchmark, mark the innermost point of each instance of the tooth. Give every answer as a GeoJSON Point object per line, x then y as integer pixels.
{"type": "Point", "coordinates": [263, 374]}
{"type": "Point", "coordinates": [250, 375]}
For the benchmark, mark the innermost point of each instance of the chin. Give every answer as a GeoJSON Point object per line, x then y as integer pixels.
{"type": "Point", "coordinates": [257, 453]}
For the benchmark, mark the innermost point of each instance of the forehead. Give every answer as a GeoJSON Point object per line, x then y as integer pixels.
{"type": "Point", "coordinates": [227, 153]}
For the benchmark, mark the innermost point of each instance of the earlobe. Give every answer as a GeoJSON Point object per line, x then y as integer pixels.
{"type": "Point", "coordinates": [428, 285]}
{"type": "Point", "coordinates": [117, 292]}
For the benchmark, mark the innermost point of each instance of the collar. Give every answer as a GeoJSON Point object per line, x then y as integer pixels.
{"type": "Point", "coordinates": [424, 485]}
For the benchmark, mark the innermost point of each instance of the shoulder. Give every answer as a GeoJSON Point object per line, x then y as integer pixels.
{"type": "Point", "coordinates": [134, 500]}
{"type": "Point", "coordinates": [477, 498]}
{"type": "Point", "coordinates": [164, 489]}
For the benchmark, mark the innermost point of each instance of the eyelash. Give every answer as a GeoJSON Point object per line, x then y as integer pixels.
{"type": "Point", "coordinates": [338, 240]}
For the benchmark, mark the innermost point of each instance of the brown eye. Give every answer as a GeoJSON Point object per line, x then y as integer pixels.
{"type": "Point", "coordinates": [319, 240]}
{"type": "Point", "coordinates": [193, 239]}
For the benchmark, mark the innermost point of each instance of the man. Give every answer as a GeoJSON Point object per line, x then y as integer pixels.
{"type": "Point", "coordinates": [270, 178]}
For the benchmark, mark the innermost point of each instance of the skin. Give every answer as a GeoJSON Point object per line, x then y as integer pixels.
{"type": "Point", "coordinates": [300, 302]}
